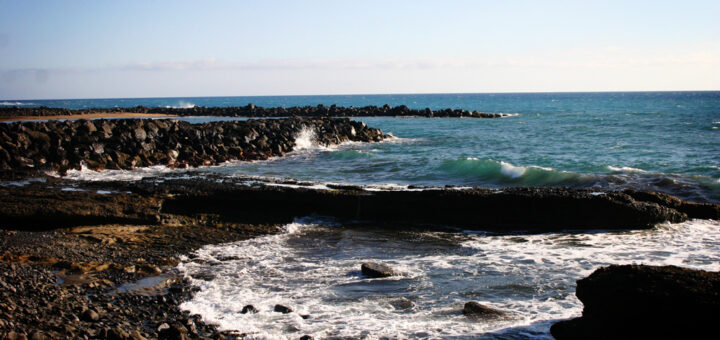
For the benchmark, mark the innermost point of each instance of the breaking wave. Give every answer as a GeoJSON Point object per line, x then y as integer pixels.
{"type": "Point", "coordinates": [181, 105]}
{"type": "Point", "coordinates": [504, 173]}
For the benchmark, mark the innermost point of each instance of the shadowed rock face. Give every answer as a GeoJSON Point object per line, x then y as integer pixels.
{"type": "Point", "coordinates": [638, 302]}
{"type": "Point", "coordinates": [513, 209]}
{"type": "Point", "coordinates": [371, 269]}
{"type": "Point", "coordinates": [257, 111]}
{"type": "Point", "coordinates": [130, 143]}
{"type": "Point", "coordinates": [46, 205]}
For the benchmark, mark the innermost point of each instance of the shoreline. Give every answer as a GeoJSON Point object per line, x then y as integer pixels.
{"type": "Point", "coordinates": [97, 259]}
{"type": "Point", "coordinates": [87, 250]}
{"type": "Point", "coordinates": [91, 115]}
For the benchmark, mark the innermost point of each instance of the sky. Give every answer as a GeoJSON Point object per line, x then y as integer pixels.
{"type": "Point", "coordinates": [118, 49]}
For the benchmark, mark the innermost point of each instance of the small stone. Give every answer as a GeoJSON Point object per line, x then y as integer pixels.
{"type": "Point", "coordinates": [177, 332]}
{"type": "Point", "coordinates": [90, 315]}
{"type": "Point", "coordinates": [135, 335]}
{"type": "Point", "coordinates": [37, 335]}
{"type": "Point", "coordinates": [118, 334]}
{"type": "Point", "coordinates": [15, 336]}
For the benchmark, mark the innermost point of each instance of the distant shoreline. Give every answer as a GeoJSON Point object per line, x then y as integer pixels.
{"type": "Point", "coordinates": [250, 110]}
{"type": "Point", "coordinates": [94, 115]}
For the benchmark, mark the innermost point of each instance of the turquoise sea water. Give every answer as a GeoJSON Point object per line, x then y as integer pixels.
{"type": "Point", "coordinates": [665, 141]}
{"type": "Point", "coordinates": [668, 142]}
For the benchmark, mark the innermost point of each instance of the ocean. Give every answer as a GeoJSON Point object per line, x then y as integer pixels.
{"type": "Point", "coordinates": [659, 141]}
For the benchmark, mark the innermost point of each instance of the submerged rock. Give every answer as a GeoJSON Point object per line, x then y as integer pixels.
{"type": "Point", "coordinates": [376, 270]}
{"type": "Point", "coordinates": [476, 310]}
{"type": "Point", "coordinates": [402, 303]}
{"type": "Point", "coordinates": [249, 309]}
{"type": "Point", "coordinates": [638, 301]}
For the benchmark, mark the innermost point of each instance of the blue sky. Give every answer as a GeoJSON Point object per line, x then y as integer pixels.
{"type": "Point", "coordinates": [103, 49]}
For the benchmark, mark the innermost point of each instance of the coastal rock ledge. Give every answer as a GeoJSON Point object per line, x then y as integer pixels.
{"type": "Point", "coordinates": [645, 302]}
{"type": "Point", "coordinates": [129, 143]}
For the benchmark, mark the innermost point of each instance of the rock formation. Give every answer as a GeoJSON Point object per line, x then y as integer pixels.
{"type": "Point", "coordinates": [645, 302]}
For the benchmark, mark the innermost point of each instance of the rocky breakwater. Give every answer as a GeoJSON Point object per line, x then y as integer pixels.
{"type": "Point", "coordinates": [251, 110]}
{"type": "Point", "coordinates": [645, 302]}
{"type": "Point", "coordinates": [131, 143]}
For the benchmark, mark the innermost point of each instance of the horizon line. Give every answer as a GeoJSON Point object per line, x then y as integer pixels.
{"type": "Point", "coordinates": [367, 94]}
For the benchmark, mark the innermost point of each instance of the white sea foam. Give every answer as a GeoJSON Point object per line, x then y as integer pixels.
{"type": "Point", "coordinates": [85, 174]}
{"type": "Point", "coordinates": [624, 169]}
{"type": "Point", "coordinates": [512, 171]}
{"type": "Point", "coordinates": [181, 105]}
{"type": "Point", "coordinates": [15, 103]}
{"type": "Point", "coordinates": [314, 270]}
{"type": "Point", "coordinates": [305, 139]}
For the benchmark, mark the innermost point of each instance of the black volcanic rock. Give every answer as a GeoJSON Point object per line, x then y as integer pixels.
{"type": "Point", "coordinates": [644, 302]}
{"type": "Point", "coordinates": [251, 110]}
{"type": "Point", "coordinates": [130, 143]}
{"type": "Point", "coordinates": [375, 270]}
{"type": "Point", "coordinates": [282, 309]}
{"type": "Point", "coordinates": [476, 310]}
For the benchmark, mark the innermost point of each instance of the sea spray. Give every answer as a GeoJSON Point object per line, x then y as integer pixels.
{"type": "Point", "coordinates": [181, 105]}
{"type": "Point", "coordinates": [305, 139]}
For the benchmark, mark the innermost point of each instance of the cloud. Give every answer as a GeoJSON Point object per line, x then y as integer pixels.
{"type": "Point", "coordinates": [598, 59]}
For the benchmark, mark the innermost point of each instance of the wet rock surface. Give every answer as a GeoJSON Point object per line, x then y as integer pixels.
{"type": "Point", "coordinates": [218, 199]}
{"type": "Point", "coordinates": [644, 302]}
{"type": "Point", "coordinates": [477, 311]}
{"type": "Point", "coordinates": [251, 110]}
{"type": "Point", "coordinates": [376, 270]}
{"type": "Point", "coordinates": [130, 143]}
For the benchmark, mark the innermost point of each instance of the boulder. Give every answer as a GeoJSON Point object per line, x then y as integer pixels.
{"type": "Point", "coordinates": [476, 310]}
{"type": "Point", "coordinates": [638, 301]}
{"type": "Point", "coordinates": [376, 270]}
{"type": "Point", "coordinates": [283, 309]}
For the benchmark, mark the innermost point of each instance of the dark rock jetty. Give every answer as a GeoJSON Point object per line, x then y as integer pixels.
{"type": "Point", "coordinates": [645, 302]}
{"type": "Point", "coordinates": [130, 143]}
{"type": "Point", "coordinates": [251, 110]}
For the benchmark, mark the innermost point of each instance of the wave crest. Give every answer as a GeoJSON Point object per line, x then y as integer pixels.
{"type": "Point", "coordinates": [504, 173]}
